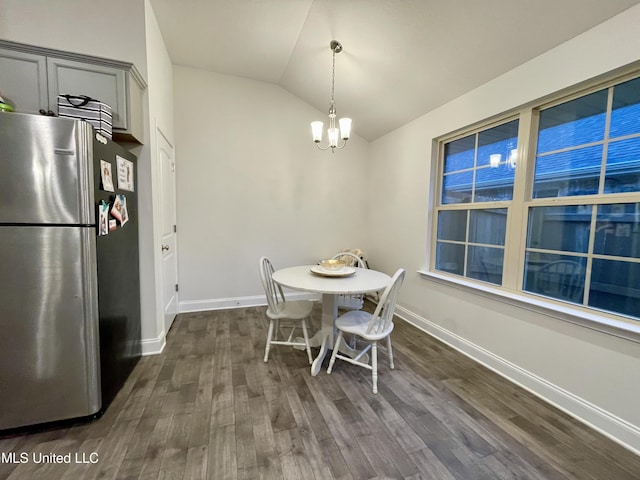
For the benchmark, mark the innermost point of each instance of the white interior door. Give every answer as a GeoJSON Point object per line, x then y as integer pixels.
{"type": "Point", "coordinates": [169, 231]}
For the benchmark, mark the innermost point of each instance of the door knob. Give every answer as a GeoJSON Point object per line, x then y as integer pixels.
{"type": "Point", "coordinates": [165, 247]}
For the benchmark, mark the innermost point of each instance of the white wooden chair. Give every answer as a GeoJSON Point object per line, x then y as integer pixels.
{"type": "Point", "coordinates": [293, 313]}
{"type": "Point", "coordinates": [561, 279]}
{"type": "Point", "coordinates": [371, 328]}
{"type": "Point", "coordinates": [355, 301]}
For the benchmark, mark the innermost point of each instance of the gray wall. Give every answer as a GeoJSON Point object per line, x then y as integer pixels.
{"type": "Point", "coordinates": [252, 183]}
{"type": "Point", "coordinates": [593, 375]}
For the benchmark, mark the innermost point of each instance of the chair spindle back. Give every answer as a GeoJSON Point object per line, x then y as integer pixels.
{"type": "Point", "coordinates": [273, 291]}
{"type": "Point", "coordinates": [383, 314]}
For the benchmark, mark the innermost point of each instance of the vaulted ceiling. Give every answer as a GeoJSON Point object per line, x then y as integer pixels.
{"type": "Point", "coordinates": [401, 58]}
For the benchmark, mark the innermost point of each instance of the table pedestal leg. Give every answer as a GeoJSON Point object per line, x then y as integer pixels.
{"type": "Point", "coordinates": [316, 366]}
{"type": "Point", "coordinates": [314, 341]}
{"type": "Point", "coordinates": [325, 338]}
{"type": "Point", "coordinates": [329, 314]}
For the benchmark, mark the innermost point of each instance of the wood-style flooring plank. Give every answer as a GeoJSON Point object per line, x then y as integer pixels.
{"type": "Point", "coordinates": [320, 458]}
{"type": "Point", "coordinates": [245, 443]}
{"type": "Point", "coordinates": [208, 407]}
{"type": "Point", "coordinates": [221, 456]}
{"type": "Point", "coordinates": [356, 460]}
{"type": "Point", "coordinates": [266, 456]}
{"type": "Point", "coordinates": [299, 452]}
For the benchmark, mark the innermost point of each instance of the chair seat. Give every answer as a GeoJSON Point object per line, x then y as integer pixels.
{"type": "Point", "coordinates": [356, 322]}
{"type": "Point", "coordinates": [291, 309]}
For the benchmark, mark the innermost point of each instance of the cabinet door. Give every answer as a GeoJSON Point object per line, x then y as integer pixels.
{"type": "Point", "coordinates": [102, 83]}
{"type": "Point", "coordinates": [23, 80]}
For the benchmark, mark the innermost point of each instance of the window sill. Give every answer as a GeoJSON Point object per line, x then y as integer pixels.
{"type": "Point", "coordinates": [600, 322]}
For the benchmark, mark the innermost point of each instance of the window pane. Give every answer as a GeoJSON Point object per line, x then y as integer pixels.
{"type": "Point", "coordinates": [556, 276]}
{"type": "Point", "coordinates": [576, 172]}
{"type": "Point", "coordinates": [488, 226]}
{"type": "Point", "coordinates": [563, 228]}
{"type": "Point", "coordinates": [623, 166]}
{"type": "Point", "coordinates": [500, 140]}
{"type": "Point", "coordinates": [452, 225]}
{"type": "Point", "coordinates": [459, 154]}
{"type": "Point", "coordinates": [494, 184]}
{"type": "Point", "coordinates": [457, 187]}
{"type": "Point", "coordinates": [573, 123]}
{"type": "Point", "coordinates": [450, 258]}
{"type": "Point", "coordinates": [614, 287]}
{"type": "Point", "coordinates": [485, 263]}
{"type": "Point", "coordinates": [618, 230]}
{"type": "Point", "coordinates": [625, 117]}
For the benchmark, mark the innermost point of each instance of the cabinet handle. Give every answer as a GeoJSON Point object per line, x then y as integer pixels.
{"type": "Point", "coordinates": [165, 247]}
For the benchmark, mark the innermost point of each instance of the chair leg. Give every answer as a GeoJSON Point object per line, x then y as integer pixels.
{"type": "Point", "coordinates": [306, 340]}
{"type": "Point", "coordinates": [335, 352]}
{"type": "Point", "coordinates": [390, 351]}
{"type": "Point", "coordinates": [268, 345]}
{"type": "Point", "coordinates": [374, 366]}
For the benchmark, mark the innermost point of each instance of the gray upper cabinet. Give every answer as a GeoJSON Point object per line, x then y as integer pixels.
{"type": "Point", "coordinates": [23, 80]}
{"type": "Point", "coordinates": [106, 84]}
{"type": "Point", "coordinates": [31, 78]}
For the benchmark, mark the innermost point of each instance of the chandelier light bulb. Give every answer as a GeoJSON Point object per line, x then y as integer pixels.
{"type": "Point", "coordinates": [316, 131]}
{"type": "Point", "coordinates": [513, 158]}
{"type": "Point", "coordinates": [345, 128]}
{"type": "Point", "coordinates": [333, 134]}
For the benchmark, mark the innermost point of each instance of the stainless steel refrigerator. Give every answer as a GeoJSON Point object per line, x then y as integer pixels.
{"type": "Point", "coordinates": [70, 295]}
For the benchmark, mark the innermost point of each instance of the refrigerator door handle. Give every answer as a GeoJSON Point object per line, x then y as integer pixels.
{"type": "Point", "coordinates": [91, 315]}
{"type": "Point", "coordinates": [86, 190]}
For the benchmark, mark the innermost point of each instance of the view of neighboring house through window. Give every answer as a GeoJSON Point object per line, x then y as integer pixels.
{"type": "Point", "coordinates": [477, 188]}
{"type": "Point", "coordinates": [577, 224]}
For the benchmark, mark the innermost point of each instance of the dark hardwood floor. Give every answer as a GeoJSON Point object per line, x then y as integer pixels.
{"type": "Point", "coordinates": [208, 407]}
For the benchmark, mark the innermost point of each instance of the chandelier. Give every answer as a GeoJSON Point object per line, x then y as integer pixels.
{"type": "Point", "coordinates": [495, 159]}
{"type": "Point", "coordinates": [333, 133]}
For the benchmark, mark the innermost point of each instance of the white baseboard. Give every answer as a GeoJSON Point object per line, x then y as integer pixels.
{"type": "Point", "coordinates": [617, 429]}
{"type": "Point", "coordinates": [153, 346]}
{"type": "Point", "coordinates": [237, 302]}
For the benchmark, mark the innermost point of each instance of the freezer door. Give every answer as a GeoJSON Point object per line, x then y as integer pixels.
{"type": "Point", "coordinates": [49, 356]}
{"type": "Point", "coordinates": [45, 170]}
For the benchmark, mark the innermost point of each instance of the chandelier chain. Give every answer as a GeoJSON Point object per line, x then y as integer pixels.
{"type": "Point", "coordinates": [333, 77]}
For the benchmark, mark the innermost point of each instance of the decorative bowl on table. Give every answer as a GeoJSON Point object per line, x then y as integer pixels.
{"type": "Point", "coordinates": [333, 265]}
{"type": "Point", "coordinates": [333, 268]}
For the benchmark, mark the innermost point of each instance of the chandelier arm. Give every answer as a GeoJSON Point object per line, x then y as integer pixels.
{"type": "Point", "coordinates": [339, 147]}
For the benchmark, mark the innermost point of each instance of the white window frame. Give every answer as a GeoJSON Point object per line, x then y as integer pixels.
{"type": "Point", "coordinates": [518, 208]}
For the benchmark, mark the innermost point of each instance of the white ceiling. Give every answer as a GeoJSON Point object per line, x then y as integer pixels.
{"type": "Point", "coordinates": [401, 58]}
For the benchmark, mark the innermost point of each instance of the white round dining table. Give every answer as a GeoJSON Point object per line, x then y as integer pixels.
{"type": "Point", "coordinates": [301, 278]}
